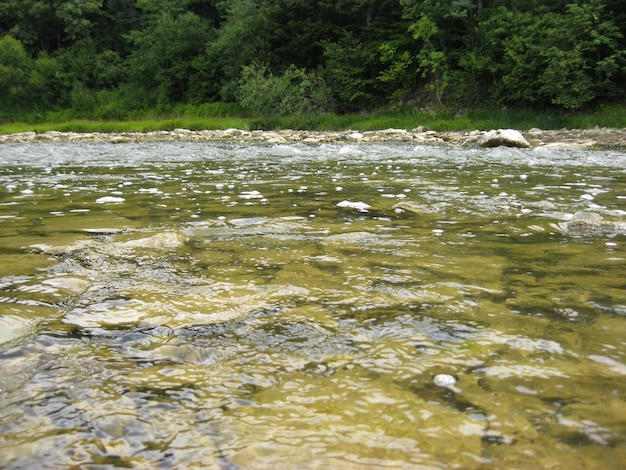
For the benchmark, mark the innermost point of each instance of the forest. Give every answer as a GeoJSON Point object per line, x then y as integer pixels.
{"type": "Point", "coordinates": [115, 59]}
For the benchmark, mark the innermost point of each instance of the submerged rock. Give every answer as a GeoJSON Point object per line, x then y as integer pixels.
{"type": "Point", "coordinates": [415, 208]}
{"type": "Point", "coordinates": [159, 241]}
{"type": "Point", "coordinates": [14, 327]}
{"type": "Point", "coordinates": [352, 238]}
{"type": "Point", "coordinates": [589, 223]}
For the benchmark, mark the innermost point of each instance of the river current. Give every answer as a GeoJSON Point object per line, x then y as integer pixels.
{"type": "Point", "coordinates": [187, 305]}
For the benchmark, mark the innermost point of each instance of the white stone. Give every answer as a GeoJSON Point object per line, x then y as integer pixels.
{"type": "Point", "coordinates": [503, 137]}
{"type": "Point", "coordinates": [444, 380]}
{"type": "Point", "coordinates": [392, 131]}
{"type": "Point", "coordinates": [277, 140]}
{"type": "Point", "coordinates": [25, 136]}
{"type": "Point", "coordinates": [233, 132]}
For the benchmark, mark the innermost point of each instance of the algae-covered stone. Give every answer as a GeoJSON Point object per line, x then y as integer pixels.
{"type": "Point", "coordinates": [158, 241]}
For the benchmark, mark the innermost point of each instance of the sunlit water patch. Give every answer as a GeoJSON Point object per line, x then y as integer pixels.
{"type": "Point", "coordinates": [371, 306]}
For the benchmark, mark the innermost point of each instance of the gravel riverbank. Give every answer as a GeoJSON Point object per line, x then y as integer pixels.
{"type": "Point", "coordinates": [596, 138]}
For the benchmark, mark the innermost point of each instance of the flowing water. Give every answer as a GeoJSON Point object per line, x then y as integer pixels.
{"type": "Point", "coordinates": [219, 306]}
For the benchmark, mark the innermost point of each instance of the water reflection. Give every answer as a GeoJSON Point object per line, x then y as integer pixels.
{"type": "Point", "coordinates": [168, 305]}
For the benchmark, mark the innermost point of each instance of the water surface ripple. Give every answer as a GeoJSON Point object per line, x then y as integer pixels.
{"type": "Point", "coordinates": [180, 305]}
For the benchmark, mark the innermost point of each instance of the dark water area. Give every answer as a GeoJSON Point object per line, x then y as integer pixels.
{"type": "Point", "coordinates": [181, 305]}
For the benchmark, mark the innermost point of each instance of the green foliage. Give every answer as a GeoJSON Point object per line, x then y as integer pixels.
{"type": "Point", "coordinates": [15, 67]}
{"type": "Point", "coordinates": [572, 53]}
{"type": "Point", "coordinates": [89, 75]}
{"type": "Point", "coordinates": [115, 59]}
{"type": "Point", "coordinates": [547, 59]}
{"type": "Point", "coordinates": [162, 60]}
{"type": "Point", "coordinates": [48, 25]}
{"type": "Point", "coordinates": [206, 110]}
{"type": "Point", "coordinates": [293, 92]}
{"type": "Point", "coordinates": [125, 102]}
{"type": "Point", "coordinates": [399, 73]}
{"type": "Point", "coordinates": [404, 117]}
{"type": "Point", "coordinates": [27, 83]}
{"type": "Point", "coordinates": [74, 15]}
{"type": "Point", "coordinates": [82, 100]}
{"type": "Point", "coordinates": [346, 70]}
{"type": "Point", "coordinates": [441, 30]}
{"type": "Point", "coordinates": [241, 41]}
{"type": "Point", "coordinates": [567, 55]}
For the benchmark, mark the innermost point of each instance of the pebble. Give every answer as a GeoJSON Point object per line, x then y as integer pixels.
{"type": "Point", "coordinates": [444, 380]}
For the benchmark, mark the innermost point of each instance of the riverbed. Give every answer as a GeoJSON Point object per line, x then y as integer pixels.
{"type": "Point", "coordinates": [257, 305]}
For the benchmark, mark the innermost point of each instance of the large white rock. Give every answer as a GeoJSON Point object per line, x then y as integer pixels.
{"type": "Point", "coordinates": [503, 137]}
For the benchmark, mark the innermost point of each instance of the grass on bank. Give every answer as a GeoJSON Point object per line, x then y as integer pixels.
{"type": "Point", "coordinates": [143, 125]}
{"type": "Point", "coordinates": [199, 118]}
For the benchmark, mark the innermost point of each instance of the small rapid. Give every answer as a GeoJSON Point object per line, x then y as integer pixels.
{"type": "Point", "coordinates": [171, 305]}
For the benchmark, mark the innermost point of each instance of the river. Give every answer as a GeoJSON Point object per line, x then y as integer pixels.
{"type": "Point", "coordinates": [228, 306]}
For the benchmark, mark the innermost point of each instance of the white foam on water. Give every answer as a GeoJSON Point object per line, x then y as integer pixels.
{"type": "Point", "coordinates": [358, 205]}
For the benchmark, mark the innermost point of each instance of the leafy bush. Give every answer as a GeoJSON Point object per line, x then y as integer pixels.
{"type": "Point", "coordinates": [294, 92]}
{"type": "Point", "coordinates": [162, 61]}
{"type": "Point", "coordinates": [15, 68]}
{"type": "Point", "coordinates": [83, 101]}
{"type": "Point", "coordinates": [125, 102]}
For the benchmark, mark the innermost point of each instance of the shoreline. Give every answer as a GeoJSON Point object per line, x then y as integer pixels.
{"type": "Point", "coordinates": [589, 139]}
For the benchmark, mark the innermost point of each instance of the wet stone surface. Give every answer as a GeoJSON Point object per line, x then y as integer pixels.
{"type": "Point", "coordinates": [593, 138]}
{"type": "Point", "coordinates": [219, 305]}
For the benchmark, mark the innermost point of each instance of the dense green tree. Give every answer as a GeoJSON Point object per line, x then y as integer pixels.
{"type": "Point", "coordinates": [28, 84]}
{"type": "Point", "coordinates": [558, 53]}
{"type": "Point", "coordinates": [163, 55]}
{"type": "Point", "coordinates": [354, 32]}
{"type": "Point", "coordinates": [48, 25]}
{"type": "Point", "coordinates": [293, 92]}
{"type": "Point", "coordinates": [204, 8]}
{"type": "Point", "coordinates": [340, 40]}
{"type": "Point", "coordinates": [88, 68]}
{"type": "Point", "coordinates": [349, 71]}
{"type": "Point", "coordinates": [111, 57]}
{"type": "Point", "coordinates": [115, 21]}
{"type": "Point", "coordinates": [15, 66]}
{"type": "Point", "coordinates": [567, 58]}
{"type": "Point", "coordinates": [440, 29]}
{"type": "Point", "coordinates": [242, 39]}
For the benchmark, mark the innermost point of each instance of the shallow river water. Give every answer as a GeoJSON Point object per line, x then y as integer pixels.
{"type": "Point", "coordinates": [221, 306]}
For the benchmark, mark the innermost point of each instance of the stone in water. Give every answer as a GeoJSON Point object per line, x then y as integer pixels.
{"type": "Point", "coordinates": [444, 380]}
